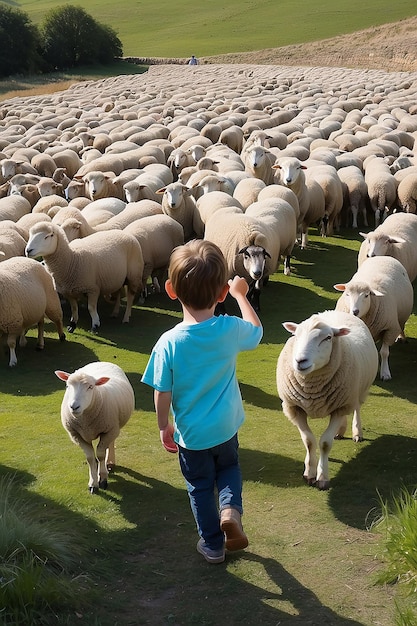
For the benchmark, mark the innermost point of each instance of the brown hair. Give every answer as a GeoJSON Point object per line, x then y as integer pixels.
{"type": "Point", "coordinates": [198, 273]}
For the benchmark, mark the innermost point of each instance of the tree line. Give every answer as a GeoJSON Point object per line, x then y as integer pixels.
{"type": "Point", "coordinates": [68, 37]}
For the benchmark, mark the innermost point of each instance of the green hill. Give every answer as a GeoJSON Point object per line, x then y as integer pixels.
{"type": "Point", "coordinates": [162, 28]}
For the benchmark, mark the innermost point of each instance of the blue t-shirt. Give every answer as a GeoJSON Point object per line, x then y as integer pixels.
{"type": "Point", "coordinates": [197, 364]}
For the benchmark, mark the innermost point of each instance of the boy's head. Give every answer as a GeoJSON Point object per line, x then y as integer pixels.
{"type": "Point", "coordinates": [198, 273]}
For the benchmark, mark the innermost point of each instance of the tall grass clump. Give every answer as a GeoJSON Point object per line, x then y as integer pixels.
{"type": "Point", "coordinates": [36, 562]}
{"type": "Point", "coordinates": [399, 522]}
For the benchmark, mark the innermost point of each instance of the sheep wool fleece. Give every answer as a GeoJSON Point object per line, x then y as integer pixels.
{"type": "Point", "coordinates": [197, 363]}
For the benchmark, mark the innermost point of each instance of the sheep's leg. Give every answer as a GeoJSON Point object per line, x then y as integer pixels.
{"type": "Point", "coordinates": [41, 341]}
{"type": "Point", "coordinates": [110, 456]}
{"type": "Point", "coordinates": [87, 448]}
{"type": "Point", "coordinates": [92, 309]}
{"type": "Point", "coordinates": [287, 265]}
{"type": "Point", "coordinates": [22, 339]}
{"type": "Point", "coordinates": [105, 454]}
{"type": "Point", "coordinates": [354, 210]}
{"type": "Point", "coordinates": [384, 371]}
{"type": "Point", "coordinates": [11, 342]}
{"type": "Point", "coordinates": [116, 307]}
{"type": "Point", "coordinates": [299, 418]}
{"type": "Point", "coordinates": [325, 445]}
{"type": "Point", "coordinates": [341, 432]}
{"type": "Point", "coordinates": [74, 315]}
{"type": "Point", "coordinates": [357, 433]}
{"type": "Point", "coordinates": [129, 303]}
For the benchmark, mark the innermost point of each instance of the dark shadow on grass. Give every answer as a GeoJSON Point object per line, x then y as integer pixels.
{"type": "Point", "coordinates": [380, 468]}
{"type": "Point", "coordinates": [270, 468]}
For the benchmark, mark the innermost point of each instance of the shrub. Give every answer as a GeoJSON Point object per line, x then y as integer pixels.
{"type": "Point", "coordinates": [19, 42]}
{"type": "Point", "coordinates": [71, 37]}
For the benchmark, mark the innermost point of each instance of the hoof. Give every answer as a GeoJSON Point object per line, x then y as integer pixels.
{"type": "Point", "coordinates": [110, 467]}
{"type": "Point", "coordinates": [311, 482]}
{"type": "Point", "coordinates": [71, 327]}
{"type": "Point", "coordinates": [62, 337]}
{"type": "Point", "coordinates": [93, 490]}
{"type": "Point", "coordinates": [39, 348]}
{"type": "Point", "coordinates": [94, 330]}
{"type": "Point", "coordinates": [103, 484]}
{"type": "Point", "coordinates": [323, 485]}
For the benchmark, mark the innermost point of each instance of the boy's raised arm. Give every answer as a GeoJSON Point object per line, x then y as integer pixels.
{"type": "Point", "coordinates": [238, 288]}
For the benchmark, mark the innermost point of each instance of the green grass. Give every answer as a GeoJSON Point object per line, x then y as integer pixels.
{"type": "Point", "coordinates": [311, 554]}
{"type": "Point", "coordinates": [177, 29]}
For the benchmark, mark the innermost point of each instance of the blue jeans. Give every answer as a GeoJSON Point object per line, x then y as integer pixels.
{"type": "Point", "coordinates": [208, 471]}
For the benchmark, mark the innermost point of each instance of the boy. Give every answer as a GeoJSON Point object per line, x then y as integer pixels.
{"type": "Point", "coordinates": [192, 369]}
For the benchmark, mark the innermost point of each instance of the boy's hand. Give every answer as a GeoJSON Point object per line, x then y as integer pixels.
{"type": "Point", "coordinates": [167, 439]}
{"type": "Point", "coordinates": [238, 287]}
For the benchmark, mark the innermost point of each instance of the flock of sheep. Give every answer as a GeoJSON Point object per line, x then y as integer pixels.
{"type": "Point", "coordinates": [103, 180]}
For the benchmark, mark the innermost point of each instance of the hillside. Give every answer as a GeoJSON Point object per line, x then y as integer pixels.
{"type": "Point", "coordinates": [391, 47]}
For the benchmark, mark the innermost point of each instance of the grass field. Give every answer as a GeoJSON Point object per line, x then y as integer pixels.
{"type": "Point", "coordinates": [176, 29]}
{"type": "Point", "coordinates": [311, 559]}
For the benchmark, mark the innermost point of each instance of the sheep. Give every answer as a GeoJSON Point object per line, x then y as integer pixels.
{"type": "Point", "coordinates": [157, 235]}
{"type": "Point", "coordinates": [10, 167]}
{"type": "Point", "coordinates": [259, 162]}
{"type": "Point", "coordinates": [28, 295]}
{"type": "Point", "coordinates": [279, 191]}
{"type": "Point", "coordinates": [102, 210]}
{"type": "Point", "coordinates": [247, 190]}
{"type": "Point", "coordinates": [14, 207]}
{"type": "Point", "coordinates": [381, 294]}
{"type": "Point", "coordinates": [44, 164]}
{"type": "Point", "coordinates": [310, 195]}
{"type": "Point", "coordinates": [325, 369]}
{"type": "Point", "coordinates": [251, 243]}
{"type": "Point", "coordinates": [178, 203]}
{"type": "Point", "coordinates": [355, 192]}
{"type": "Point", "coordinates": [382, 187]}
{"type": "Point", "coordinates": [396, 237]}
{"type": "Point", "coordinates": [98, 264]}
{"type": "Point", "coordinates": [407, 193]}
{"type": "Point", "coordinates": [48, 187]}
{"type": "Point", "coordinates": [98, 401]}
{"type": "Point", "coordinates": [46, 203]}
{"type": "Point", "coordinates": [327, 177]}
{"type": "Point", "coordinates": [208, 204]}
{"type": "Point", "coordinates": [12, 242]}
{"type": "Point", "coordinates": [100, 185]}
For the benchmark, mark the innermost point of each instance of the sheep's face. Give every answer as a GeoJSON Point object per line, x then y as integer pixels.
{"type": "Point", "coordinates": [357, 298]}
{"type": "Point", "coordinates": [312, 344]}
{"type": "Point", "coordinates": [80, 392]}
{"type": "Point", "coordinates": [254, 258]}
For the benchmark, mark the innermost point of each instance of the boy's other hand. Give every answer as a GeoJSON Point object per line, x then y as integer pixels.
{"type": "Point", "coordinates": [167, 439]}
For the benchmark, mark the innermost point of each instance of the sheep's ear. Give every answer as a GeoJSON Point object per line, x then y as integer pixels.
{"type": "Point", "coordinates": [62, 375]}
{"type": "Point", "coordinates": [340, 287]}
{"type": "Point", "coordinates": [276, 166]}
{"type": "Point", "coordinates": [375, 292]}
{"type": "Point", "coordinates": [396, 240]}
{"type": "Point", "coordinates": [364, 235]}
{"type": "Point", "coordinates": [290, 326]}
{"type": "Point", "coordinates": [243, 250]}
{"type": "Point", "coordinates": [341, 332]}
{"type": "Point", "coordinates": [303, 167]}
{"type": "Point", "coordinates": [102, 381]}
{"type": "Point", "coordinates": [162, 190]}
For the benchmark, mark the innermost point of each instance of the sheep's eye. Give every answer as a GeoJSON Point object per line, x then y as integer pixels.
{"type": "Point", "coordinates": [327, 338]}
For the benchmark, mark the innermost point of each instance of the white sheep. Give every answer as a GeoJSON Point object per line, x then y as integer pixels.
{"type": "Point", "coordinates": [100, 185]}
{"type": "Point", "coordinates": [98, 264]}
{"type": "Point", "coordinates": [208, 204]}
{"type": "Point", "coordinates": [259, 162]}
{"type": "Point", "coordinates": [28, 295]}
{"type": "Point", "coordinates": [396, 237]}
{"type": "Point", "coordinates": [309, 193]}
{"type": "Point", "coordinates": [407, 193]}
{"type": "Point", "coordinates": [12, 241]}
{"type": "Point", "coordinates": [355, 192]}
{"type": "Point", "coordinates": [157, 235]}
{"type": "Point", "coordinates": [178, 203]}
{"type": "Point", "coordinates": [381, 294]}
{"type": "Point", "coordinates": [251, 243]}
{"type": "Point", "coordinates": [247, 190]}
{"type": "Point", "coordinates": [98, 401]}
{"type": "Point", "coordinates": [325, 369]}
{"type": "Point", "coordinates": [326, 176]}
{"type": "Point", "coordinates": [382, 187]}
{"type": "Point", "coordinates": [14, 207]}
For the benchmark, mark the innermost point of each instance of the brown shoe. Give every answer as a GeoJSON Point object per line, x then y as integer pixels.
{"type": "Point", "coordinates": [231, 525]}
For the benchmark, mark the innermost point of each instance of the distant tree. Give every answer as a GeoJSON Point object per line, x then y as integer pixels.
{"type": "Point", "coordinates": [19, 42]}
{"type": "Point", "coordinates": [71, 37]}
